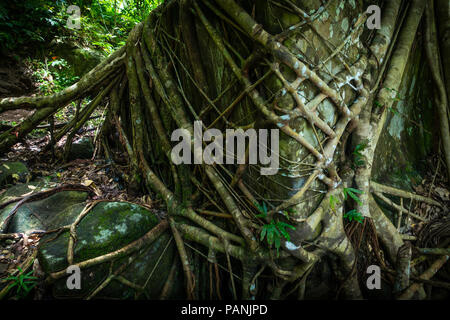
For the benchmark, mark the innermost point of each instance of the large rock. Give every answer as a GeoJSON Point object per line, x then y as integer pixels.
{"type": "Point", "coordinates": [23, 189]}
{"type": "Point", "coordinates": [12, 172]}
{"type": "Point", "coordinates": [110, 226]}
{"type": "Point", "coordinates": [37, 215]}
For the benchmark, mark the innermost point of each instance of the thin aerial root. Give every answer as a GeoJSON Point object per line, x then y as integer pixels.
{"type": "Point", "coordinates": [72, 230]}
{"type": "Point", "coordinates": [184, 261]}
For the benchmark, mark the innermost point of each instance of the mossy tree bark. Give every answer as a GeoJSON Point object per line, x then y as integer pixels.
{"type": "Point", "coordinates": [314, 71]}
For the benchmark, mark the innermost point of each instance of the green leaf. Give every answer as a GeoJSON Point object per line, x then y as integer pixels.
{"type": "Point", "coordinates": [23, 282]}
{"type": "Point", "coordinates": [290, 210]}
{"type": "Point", "coordinates": [354, 197]}
{"type": "Point", "coordinates": [355, 190]}
{"type": "Point", "coordinates": [285, 225]}
{"type": "Point", "coordinates": [263, 209]}
{"type": "Point", "coordinates": [270, 236]}
{"type": "Point", "coordinates": [12, 285]}
{"type": "Point", "coordinates": [277, 243]}
{"type": "Point", "coordinates": [275, 231]}
{"type": "Point", "coordinates": [354, 215]}
{"type": "Point", "coordinates": [351, 192]}
{"type": "Point", "coordinates": [25, 287]}
{"type": "Point", "coordinates": [358, 156]}
{"type": "Point", "coordinates": [263, 233]}
{"type": "Point", "coordinates": [359, 162]}
{"type": "Point", "coordinates": [285, 234]}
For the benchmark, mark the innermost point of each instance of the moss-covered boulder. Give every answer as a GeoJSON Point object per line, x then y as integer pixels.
{"type": "Point", "coordinates": [83, 60]}
{"type": "Point", "coordinates": [37, 215]}
{"type": "Point", "coordinates": [13, 172]}
{"type": "Point", "coordinates": [23, 189]}
{"type": "Point", "coordinates": [108, 227]}
{"type": "Point", "coordinates": [80, 59]}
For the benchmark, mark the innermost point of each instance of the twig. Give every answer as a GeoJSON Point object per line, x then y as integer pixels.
{"type": "Point", "coordinates": [190, 283]}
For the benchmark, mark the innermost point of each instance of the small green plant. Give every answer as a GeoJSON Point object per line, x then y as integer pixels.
{"type": "Point", "coordinates": [377, 104]}
{"type": "Point", "coordinates": [351, 192]}
{"type": "Point", "coordinates": [274, 230]}
{"type": "Point", "coordinates": [23, 283]}
{"type": "Point", "coordinates": [262, 208]}
{"type": "Point", "coordinates": [53, 76]}
{"type": "Point", "coordinates": [358, 156]}
{"type": "Point", "coordinates": [354, 215]}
